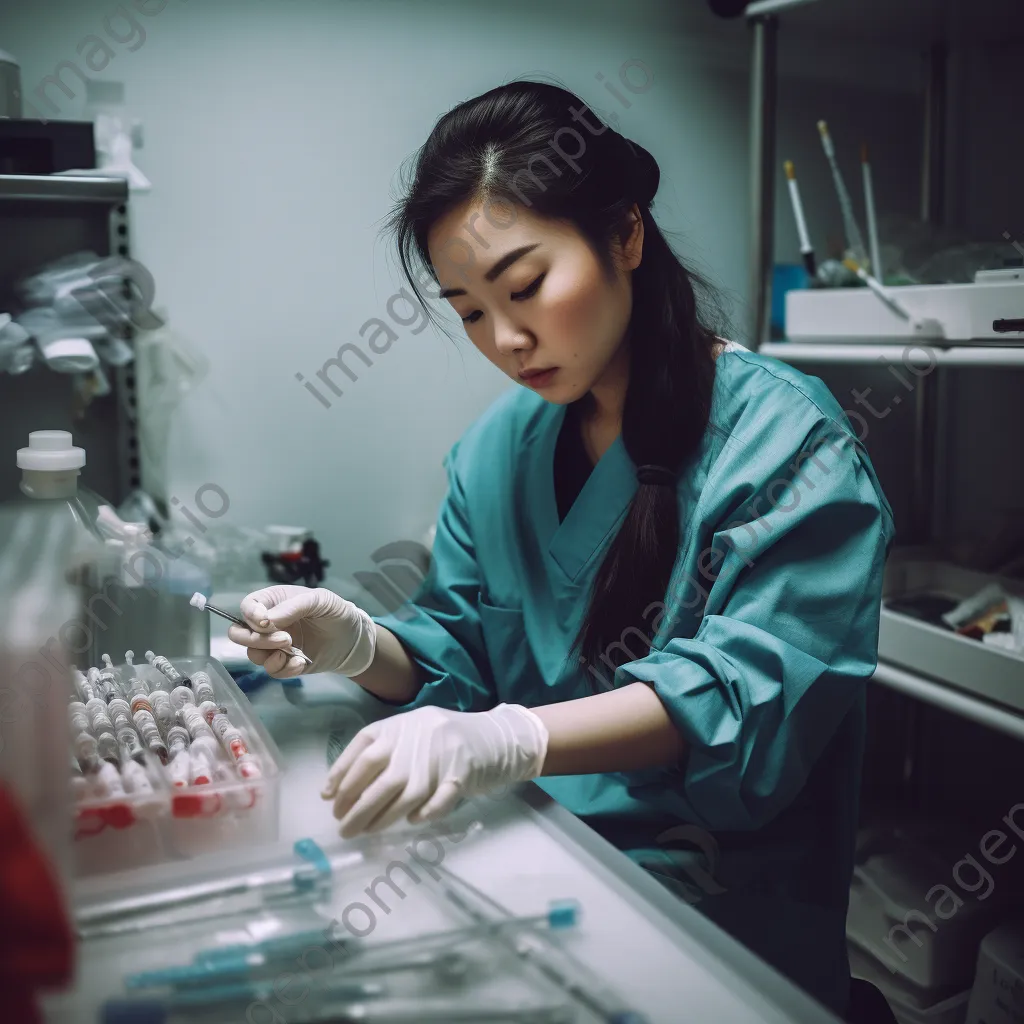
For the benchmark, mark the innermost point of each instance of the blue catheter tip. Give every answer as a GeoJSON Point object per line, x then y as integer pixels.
{"type": "Point", "coordinates": [563, 914]}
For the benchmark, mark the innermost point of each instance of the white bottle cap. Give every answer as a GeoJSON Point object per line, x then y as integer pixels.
{"type": "Point", "coordinates": [50, 451]}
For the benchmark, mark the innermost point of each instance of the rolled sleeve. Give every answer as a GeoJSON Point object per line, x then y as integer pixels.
{"type": "Point", "coordinates": [786, 642]}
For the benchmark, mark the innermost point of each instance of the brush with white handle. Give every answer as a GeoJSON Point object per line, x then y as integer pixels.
{"type": "Point", "coordinates": [199, 601]}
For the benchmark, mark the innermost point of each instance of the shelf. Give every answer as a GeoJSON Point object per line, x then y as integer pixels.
{"type": "Point", "coordinates": [978, 681]}
{"type": "Point", "coordinates": [920, 354]}
{"type": "Point", "coordinates": [63, 188]}
{"type": "Point", "coordinates": [939, 695]}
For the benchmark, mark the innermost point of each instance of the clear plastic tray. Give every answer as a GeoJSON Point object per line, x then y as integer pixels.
{"type": "Point", "coordinates": [277, 935]}
{"type": "Point", "coordinates": [181, 822]}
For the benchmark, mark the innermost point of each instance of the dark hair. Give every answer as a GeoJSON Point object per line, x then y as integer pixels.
{"type": "Point", "coordinates": [502, 146]}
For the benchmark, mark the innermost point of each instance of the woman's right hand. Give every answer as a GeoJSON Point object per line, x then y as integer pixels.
{"type": "Point", "coordinates": [334, 633]}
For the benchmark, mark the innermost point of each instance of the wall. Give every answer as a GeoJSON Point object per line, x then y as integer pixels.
{"type": "Point", "coordinates": [274, 133]}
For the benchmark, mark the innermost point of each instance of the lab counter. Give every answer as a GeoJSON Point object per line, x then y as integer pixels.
{"type": "Point", "coordinates": [660, 956]}
{"type": "Point", "coordinates": [663, 956]}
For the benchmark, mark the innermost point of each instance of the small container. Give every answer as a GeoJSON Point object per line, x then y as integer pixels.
{"type": "Point", "coordinates": [892, 919]}
{"type": "Point", "coordinates": [904, 1001]}
{"type": "Point", "coordinates": [998, 993]}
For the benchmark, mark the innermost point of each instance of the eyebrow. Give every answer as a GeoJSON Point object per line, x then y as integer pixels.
{"type": "Point", "coordinates": [496, 271]}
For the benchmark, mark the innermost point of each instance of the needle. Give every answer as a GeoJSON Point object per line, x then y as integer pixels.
{"type": "Point", "coordinates": [199, 601]}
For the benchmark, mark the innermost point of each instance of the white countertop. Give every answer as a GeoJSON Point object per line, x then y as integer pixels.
{"type": "Point", "coordinates": [663, 956]}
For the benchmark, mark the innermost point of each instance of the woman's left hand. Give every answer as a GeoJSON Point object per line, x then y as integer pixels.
{"type": "Point", "coordinates": [419, 764]}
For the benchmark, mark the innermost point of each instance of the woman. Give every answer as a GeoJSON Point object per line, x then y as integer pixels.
{"type": "Point", "coordinates": [656, 575]}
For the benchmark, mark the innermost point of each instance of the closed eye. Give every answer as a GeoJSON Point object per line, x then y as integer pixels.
{"type": "Point", "coordinates": [527, 293]}
{"type": "Point", "coordinates": [530, 290]}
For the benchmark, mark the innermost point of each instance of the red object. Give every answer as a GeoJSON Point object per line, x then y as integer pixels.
{"type": "Point", "coordinates": [36, 942]}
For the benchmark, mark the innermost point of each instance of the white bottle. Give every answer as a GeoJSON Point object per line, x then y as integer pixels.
{"type": "Point", "coordinates": [50, 466]}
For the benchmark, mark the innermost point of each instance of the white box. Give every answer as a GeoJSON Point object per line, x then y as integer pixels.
{"type": "Point", "coordinates": [998, 993]}
{"type": "Point", "coordinates": [851, 315]}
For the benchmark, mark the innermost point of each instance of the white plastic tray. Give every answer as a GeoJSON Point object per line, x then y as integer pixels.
{"type": "Point", "coordinates": [850, 315]}
{"type": "Point", "coordinates": [989, 672]}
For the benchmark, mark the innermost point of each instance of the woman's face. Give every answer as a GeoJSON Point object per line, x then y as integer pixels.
{"type": "Point", "coordinates": [533, 297]}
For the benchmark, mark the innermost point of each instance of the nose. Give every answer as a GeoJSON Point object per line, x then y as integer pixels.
{"type": "Point", "coordinates": [510, 338]}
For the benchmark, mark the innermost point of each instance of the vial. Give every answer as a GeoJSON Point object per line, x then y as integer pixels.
{"type": "Point", "coordinates": [248, 766]}
{"type": "Point", "coordinates": [106, 745]}
{"type": "Point", "coordinates": [202, 686]}
{"type": "Point", "coordinates": [120, 713]}
{"type": "Point", "coordinates": [194, 722]}
{"type": "Point", "coordinates": [200, 770]}
{"type": "Point", "coordinates": [182, 695]}
{"type": "Point", "coordinates": [99, 720]}
{"type": "Point", "coordinates": [178, 768]}
{"type": "Point", "coordinates": [163, 710]}
{"type": "Point", "coordinates": [78, 717]}
{"type": "Point", "coordinates": [150, 733]}
{"type": "Point", "coordinates": [85, 689]}
{"type": "Point", "coordinates": [135, 684]}
{"type": "Point", "coordinates": [208, 709]}
{"type": "Point", "coordinates": [107, 781]}
{"type": "Point", "coordinates": [177, 740]}
{"type": "Point", "coordinates": [230, 738]}
{"type": "Point", "coordinates": [109, 686]}
{"type": "Point", "coordinates": [140, 702]}
{"type": "Point", "coordinates": [135, 778]}
{"type": "Point", "coordinates": [87, 752]}
{"type": "Point", "coordinates": [159, 662]}
{"type": "Point", "coordinates": [130, 744]}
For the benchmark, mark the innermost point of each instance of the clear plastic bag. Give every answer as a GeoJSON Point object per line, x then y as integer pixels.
{"type": "Point", "coordinates": [167, 367]}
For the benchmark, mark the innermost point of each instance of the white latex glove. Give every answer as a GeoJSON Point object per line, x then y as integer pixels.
{"type": "Point", "coordinates": [419, 764]}
{"type": "Point", "coordinates": [333, 632]}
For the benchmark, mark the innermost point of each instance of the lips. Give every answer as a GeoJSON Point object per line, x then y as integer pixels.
{"type": "Point", "coordinates": [538, 378]}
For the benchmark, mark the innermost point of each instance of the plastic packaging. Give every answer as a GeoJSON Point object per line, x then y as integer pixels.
{"type": "Point", "coordinates": [185, 942]}
{"type": "Point", "coordinates": [17, 353]}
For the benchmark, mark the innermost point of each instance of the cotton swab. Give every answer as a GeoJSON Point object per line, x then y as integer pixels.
{"type": "Point", "coordinates": [199, 601]}
{"type": "Point", "coordinates": [806, 249]}
{"type": "Point", "coordinates": [853, 235]}
{"type": "Point", "coordinates": [869, 207]}
{"type": "Point", "coordinates": [898, 308]}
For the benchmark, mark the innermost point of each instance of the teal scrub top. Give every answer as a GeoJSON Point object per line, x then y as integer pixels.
{"type": "Point", "coordinates": [762, 645]}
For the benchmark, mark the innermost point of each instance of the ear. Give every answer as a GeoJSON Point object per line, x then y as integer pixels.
{"type": "Point", "coordinates": [633, 239]}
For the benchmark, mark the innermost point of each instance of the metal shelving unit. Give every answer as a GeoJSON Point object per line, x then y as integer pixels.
{"type": "Point", "coordinates": [44, 217]}
{"type": "Point", "coordinates": [905, 661]}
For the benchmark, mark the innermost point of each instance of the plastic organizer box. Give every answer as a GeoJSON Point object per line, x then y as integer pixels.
{"type": "Point", "coordinates": [179, 816]}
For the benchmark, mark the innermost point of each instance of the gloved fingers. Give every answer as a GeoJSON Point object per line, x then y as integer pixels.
{"type": "Point", "coordinates": [445, 798]}
{"type": "Point", "coordinates": [256, 656]}
{"type": "Point", "coordinates": [291, 665]}
{"type": "Point", "coordinates": [402, 807]}
{"type": "Point", "coordinates": [265, 641]}
{"type": "Point", "coordinates": [371, 763]}
{"type": "Point", "coordinates": [306, 603]}
{"type": "Point", "coordinates": [376, 798]}
{"type": "Point", "coordinates": [256, 606]}
{"type": "Point", "coordinates": [360, 742]}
